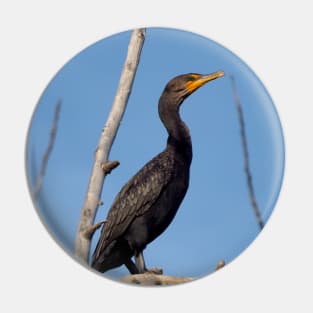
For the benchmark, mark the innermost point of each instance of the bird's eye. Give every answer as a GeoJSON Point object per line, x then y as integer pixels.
{"type": "Point", "coordinates": [191, 78]}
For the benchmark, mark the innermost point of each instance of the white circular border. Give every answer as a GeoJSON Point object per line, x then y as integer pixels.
{"type": "Point", "coordinates": [39, 38]}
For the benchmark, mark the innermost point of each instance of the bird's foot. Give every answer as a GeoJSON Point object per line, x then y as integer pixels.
{"type": "Point", "coordinates": [154, 270]}
{"type": "Point", "coordinates": [141, 266]}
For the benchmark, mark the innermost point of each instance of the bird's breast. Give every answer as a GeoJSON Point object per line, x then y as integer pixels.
{"type": "Point", "coordinates": [165, 209]}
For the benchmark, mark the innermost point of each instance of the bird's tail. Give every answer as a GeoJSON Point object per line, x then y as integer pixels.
{"type": "Point", "coordinates": [113, 255]}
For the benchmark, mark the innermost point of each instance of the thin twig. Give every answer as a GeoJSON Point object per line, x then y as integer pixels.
{"type": "Point", "coordinates": [48, 151]}
{"type": "Point", "coordinates": [91, 230]}
{"type": "Point", "coordinates": [220, 265]}
{"type": "Point", "coordinates": [246, 154]}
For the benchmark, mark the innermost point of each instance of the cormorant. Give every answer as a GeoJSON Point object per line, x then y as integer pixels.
{"type": "Point", "coordinates": [147, 204]}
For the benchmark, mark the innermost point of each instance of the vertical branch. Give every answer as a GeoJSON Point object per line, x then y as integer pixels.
{"type": "Point", "coordinates": [93, 194]}
{"type": "Point", "coordinates": [48, 151]}
{"type": "Point", "coordinates": [246, 155]}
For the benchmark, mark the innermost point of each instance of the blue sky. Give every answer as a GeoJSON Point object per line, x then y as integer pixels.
{"type": "Point", "coordinates": [215, 220]}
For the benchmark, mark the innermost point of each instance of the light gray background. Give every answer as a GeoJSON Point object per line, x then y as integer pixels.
{"type": "Point", "coordinates": [273, 38]}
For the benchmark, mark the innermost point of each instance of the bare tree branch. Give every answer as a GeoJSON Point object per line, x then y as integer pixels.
{"type": "Point", "coordinates": [149, 279]}
{"type": "Point", "coordinates": [48, 151]}
{"type": "Point", "coordinates": [246, 155]}
{"type": "Point", "coordinates": [92, 199]}
{"type": "Point", "coordinates": [154, 279]}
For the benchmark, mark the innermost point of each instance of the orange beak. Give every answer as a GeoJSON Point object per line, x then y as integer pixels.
{"type": "Point", "coordinates": [193, 85]}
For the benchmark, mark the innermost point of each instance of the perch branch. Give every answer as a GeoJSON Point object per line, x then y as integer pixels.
{"type": "Point", "coordinates": [48, 151]}
{"type": "Point", "coordinates": [92, 198]}
{"type": "Point", "coordinates": [246, 155]}
{"type": "Point", "coordinates": [149, 279]}
{"type": "Point", "coordinates": [152, 279]}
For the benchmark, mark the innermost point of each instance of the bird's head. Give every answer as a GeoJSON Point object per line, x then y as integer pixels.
{"type": "Point", "coordinates": [180, 87]}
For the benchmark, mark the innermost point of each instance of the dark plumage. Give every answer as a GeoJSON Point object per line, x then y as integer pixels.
{"type": "Point", "coordinates": [147, 204]}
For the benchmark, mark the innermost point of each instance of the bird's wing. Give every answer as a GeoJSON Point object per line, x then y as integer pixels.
{"type": "Point", "coordinates": [135, 198]}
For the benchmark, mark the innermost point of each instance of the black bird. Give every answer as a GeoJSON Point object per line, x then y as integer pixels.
{"type": "Point", "coordinates": [147, 204]}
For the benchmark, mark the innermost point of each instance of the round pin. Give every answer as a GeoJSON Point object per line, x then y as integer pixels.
{"type": "Point", "coordinates": [155, 156]}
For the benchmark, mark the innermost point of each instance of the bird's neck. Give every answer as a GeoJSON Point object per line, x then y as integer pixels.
{"type": "Point", "coordinates": [178, 133]}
